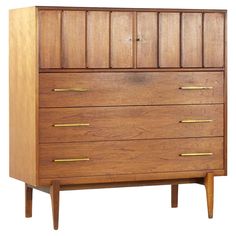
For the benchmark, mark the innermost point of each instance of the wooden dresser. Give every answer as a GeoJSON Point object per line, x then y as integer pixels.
{"type": "Point", "coordinates": [103, 97]}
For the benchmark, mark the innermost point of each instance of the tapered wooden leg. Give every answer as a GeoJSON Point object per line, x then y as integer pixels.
{"type": "Point", "coordinates": [209, 184]}
{"type": "Point", "coordinates": [55, 192]}
{"type": "Point", "coordinates": [28, 201]}
{"type": "Point", "coordinates": [174, 195]}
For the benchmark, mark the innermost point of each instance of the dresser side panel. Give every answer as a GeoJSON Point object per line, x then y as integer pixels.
{"type": "Point", "coordinates": [225, 96]}
{"type": "Point", "coordinates": [23, 94]}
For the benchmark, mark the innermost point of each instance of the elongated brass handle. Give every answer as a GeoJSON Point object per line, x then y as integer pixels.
{"type": "Point", "coordinates": [195, 121]}
{"type": "Point", "coordinates": [196, 87]}
{"type": "Point", "coordinates": [72, 159]}
{"type": "Point", "coordinates": [196, 154]}
{"type": "Point", "coordinates": [70, 90]}
{"type": "Point", "coordinates": [71, 125]}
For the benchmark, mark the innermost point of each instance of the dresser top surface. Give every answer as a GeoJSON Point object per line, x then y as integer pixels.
{"type": "Point", "coordinates": [128, 9]}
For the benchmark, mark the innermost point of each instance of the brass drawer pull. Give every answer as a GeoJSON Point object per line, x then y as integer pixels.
{"type": "Point", "coordinates": [72, 159]}
{"type": "Point", "coordinates": [70, 90]}
{"type": "Point", "coordinates": [195, 121]}
{"type": "Point", "coordinates": [71, 125]}
{"type": "Point", "coordinates": [196, 88]}
{"type": "Point", "coordinates": [196, 154]}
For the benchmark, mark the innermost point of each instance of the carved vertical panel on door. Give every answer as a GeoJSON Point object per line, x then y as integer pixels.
{"type": "Point", "coordinates": [169, 39]}
{"type": "Point", "coordinates": [98, 39]}
{"type": "Point", "coordinates": [122, 39]}
{"type": "Point", "coordinates": [146, 39]}
{"type": "Point", "coordinates": [213, 39]}
{"type": "Point", "coordinates": [50, 39]}
{"type": "Point", "coordinates": [73, 39]}
{"type": "Point", "coordinates": [191, 40]}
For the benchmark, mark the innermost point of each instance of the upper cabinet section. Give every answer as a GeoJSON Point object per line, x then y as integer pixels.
{"type": "Point", "coordinates": [80, 39]}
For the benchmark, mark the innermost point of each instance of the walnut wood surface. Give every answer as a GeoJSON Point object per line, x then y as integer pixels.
{"type": "Point", "coordinates": [74, 41]}
{"type": "Point", "coordinates": [122, 39]}
{"type": "Point", "coordinates": [191, 40]}
{"type": "Point", "coordinates": [127, 178]}
{"type": "Point", "coordinates": [98, 36]}
{"type": "Point", "coordinates": [136, 122]}
{"type": "Point", "coordinates": [213, 40]}
{"type": "Point", "coordinates": [141, 88]}
{"type": "Point", "coordinates": [209, 185]}
{"type": "Point", "coordinates": [55, 197]}
{"type": "Point", "coordinates": [132, 63]}
{"type": "Point", "coordinates": [28, 201]}
{"type": "Point", "coordinates": [147, 26]}
{"type": "Point", "coordinates": [129, 157]}
{"type": "Point", "coordinates": [23, 94]}
{"type": "Point", "coordinates": [169, 40]}
{"type": "Point", "coordinates": [131, 184]}
{"type": "Point", "coordinates": [130, 9]}
{"type": "Point", "coordinates": [50, 39]}
{"type": "Point", "coordinates": [174, 195]}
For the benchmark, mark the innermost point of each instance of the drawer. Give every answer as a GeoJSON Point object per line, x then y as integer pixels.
{"type": "Point", "coordinates": [131, 122]}
{"type": "Point", "coordinates": [109, 89]}
{"type": "Point", "coordinates": [130, 157]}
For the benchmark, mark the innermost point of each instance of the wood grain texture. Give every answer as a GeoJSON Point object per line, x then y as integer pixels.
{"type": "Point", "coordinates": [129, 157]}
{"type": "Point", "coordinates": [225, 95]}
{"type": "Point", "coordinates": [50, 39]}
{"type": "Point", "coordinates": [174, 195]}
{"type": "Point", "coordinates": [191, 40]}
{"type": "Point", "coordinates": [122, 39]}
{"type": "Point", "coordinates": [23, 94]}
{"type": "Point", "coordinates": [123, 123]}
{"type": "Point", "coordinates": [99, 70]}
{"type": "Point", "coordinates": [147, 39]}
{"type": "Point", "coordinates": [133, 65]}
{"type": "Point", "coordinates": [169, 39]}
{"type": "Point", "coordinates": [130, 9]}
{"type": "Point", "coordinates": [209, 185]}
{"type": "Point", "coordinates": [130, 184]}
{"type": "Point", "coordinates": [213, 39]}
{"type": "Point", "coordinates": [98, 39]}
{"type": "Point", "coordinates": [55, 198]}
{"type": "Point", "coordinates": [110, 181]}
{"type": "Point", "coordinates": [28, 201]}
{"type": "Point", "coordinates": [73, 39]}
{"type": "Point", "coordinates": [141, 88]}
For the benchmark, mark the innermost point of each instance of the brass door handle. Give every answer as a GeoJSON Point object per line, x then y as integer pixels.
{"type": "Point", "coordinates": [70, 90]}
{"type": "Point", "coordinates": [195, 121]}
{"type": "Point", "coordinates": [196, 87]}
{"type": "Point", "coordinates": [71, 125]}
{"type": "Point", "coordinates": [196, 154]}
{"type": "Point", "coordinates": [72, 159]}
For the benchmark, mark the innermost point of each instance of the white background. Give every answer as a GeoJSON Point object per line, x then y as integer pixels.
{"type": "Point", "coordinates": [122, 211]}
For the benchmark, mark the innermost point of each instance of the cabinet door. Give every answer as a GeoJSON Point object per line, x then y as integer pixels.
{"type": "Point", "coordinates": [73, 39]}
{"type": "Point", "coordinates": [213, 39]}
{"type": "Point", "coordinates": [169, 39]}
{"type": "Point", "coordinates": [121, 39]}
{"type": "Point", "coordinates": [192, 40]}
{"type": "Point", "coordinates": [50, 39]}
{"type": "Point", "coordinates": [98, 39]}
{"type": "Point", "coordinates": [147, 39]}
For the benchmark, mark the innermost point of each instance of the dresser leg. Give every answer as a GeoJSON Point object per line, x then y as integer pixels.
{"type": "Point", "coordinates": [28, 201]}
{"type": "Point", "coordinates": [174, 195]}
{"type": "Point", "coordinates": [55, 192]}
{"type": "Point", "coordinates": [209, 184]}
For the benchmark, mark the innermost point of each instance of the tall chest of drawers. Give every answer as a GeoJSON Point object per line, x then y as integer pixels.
{"type": "Point", "coordinates": [103, 97]}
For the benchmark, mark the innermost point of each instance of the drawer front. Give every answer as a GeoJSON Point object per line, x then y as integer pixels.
{"type": "Point", "coordinates": [135, 122]}
{"type": "Point", "coordinates": [130, 157]}
{"type": "Point", "coordinates": [108, 89]}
